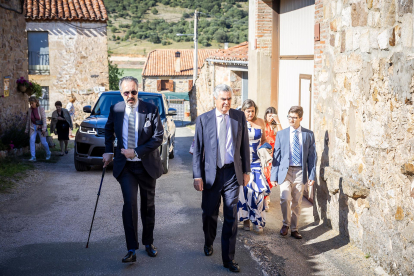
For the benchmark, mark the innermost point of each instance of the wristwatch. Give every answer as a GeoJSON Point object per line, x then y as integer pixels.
{"type": "Point", "coordinates": [248, 173]}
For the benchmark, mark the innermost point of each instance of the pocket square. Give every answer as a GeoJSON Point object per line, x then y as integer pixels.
{"type": "Point", "coordinates": [147, 124]}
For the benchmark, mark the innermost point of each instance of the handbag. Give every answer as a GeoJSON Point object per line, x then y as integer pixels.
{"type": "Point", "coordinates": [39, 122]}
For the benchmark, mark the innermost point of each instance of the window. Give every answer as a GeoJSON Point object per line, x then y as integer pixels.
{"type": "Point", "coordinates": [44, 100]}
{"type": "Point", "coordinates": [38, 43]}
{"type": "Point", "coordinates": [163, 85]}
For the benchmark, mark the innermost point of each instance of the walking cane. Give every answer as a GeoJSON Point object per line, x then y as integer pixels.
{"type": "Point", "coordinates": [96, 204]}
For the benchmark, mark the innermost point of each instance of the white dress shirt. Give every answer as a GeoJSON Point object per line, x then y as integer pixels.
{"type": "Point", "coordinates": [292, 134]}
{"type": "Point", "coordinates": [229, 156]}
{"type": "Point", "coordinates": [125, 129]}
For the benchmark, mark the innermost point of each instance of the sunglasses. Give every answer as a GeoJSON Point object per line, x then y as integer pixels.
{"type": "Point", "coordinates": [133, 92]}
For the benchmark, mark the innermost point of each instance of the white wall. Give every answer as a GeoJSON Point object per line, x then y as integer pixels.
{"type": "Point", "coordinates": [296, 32]}
{"type": "Point", "coordinates": [289, 71]}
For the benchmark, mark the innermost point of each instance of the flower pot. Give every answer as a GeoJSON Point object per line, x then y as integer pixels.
{"type": "Point", "coordinates": [21, 88]}
{"type": "Point", "coordinates": [187, 114]}
{"type": "Point", "coordinates": [29, 91]}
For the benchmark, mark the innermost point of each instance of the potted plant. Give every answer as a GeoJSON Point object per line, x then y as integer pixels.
{"type": "Point", "coordinates": [22, 84]}
{"type": "Point", "coordinates": [35, 89]}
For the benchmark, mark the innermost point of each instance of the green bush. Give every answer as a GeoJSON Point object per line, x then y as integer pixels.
{"type": "Point", "coordinates": [154, 11]}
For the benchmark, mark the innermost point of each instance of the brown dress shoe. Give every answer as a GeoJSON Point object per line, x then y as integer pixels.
{"type": "Point", "coordinates": [284, 230]}
{"type": "Point", "coordinates": [296, 235]}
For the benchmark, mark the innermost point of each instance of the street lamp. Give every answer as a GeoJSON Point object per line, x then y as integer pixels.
{"type": "Point", "coordinates": [195, 69]}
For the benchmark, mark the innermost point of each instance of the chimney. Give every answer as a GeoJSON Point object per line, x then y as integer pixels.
{"type": "Point", "coordinates": [226, 45]}
{"type": "Point", "coordinates": [177, 62]}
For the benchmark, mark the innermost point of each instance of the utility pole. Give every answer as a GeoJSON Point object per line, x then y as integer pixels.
{"type": "Point", "coordinates": [195, 69]}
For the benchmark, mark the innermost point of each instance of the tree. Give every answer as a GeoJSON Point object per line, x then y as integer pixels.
{"type": "Point", "coordinates": [220, 36]}
{"type": "Point", "coordinates": [114, 75]}
{"type": "Point", "coordinates": [154, 11]}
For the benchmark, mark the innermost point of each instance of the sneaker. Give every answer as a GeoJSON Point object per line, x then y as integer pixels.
{"type": "Point", "coordinates": [33, 159]}
{"type": "Point", "coordinates": [48, 156]}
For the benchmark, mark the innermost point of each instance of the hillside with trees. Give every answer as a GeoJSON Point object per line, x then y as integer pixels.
{"type": "Point", "coordinates": [137, 27]}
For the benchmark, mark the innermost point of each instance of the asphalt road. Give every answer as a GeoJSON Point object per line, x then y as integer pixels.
{"type": "Point", "coordinates": [44, 225]}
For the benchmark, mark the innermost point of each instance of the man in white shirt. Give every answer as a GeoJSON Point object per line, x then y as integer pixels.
{"type": "Point", "coordinates": [137, 163]}
{"type": "Point", "coordinates": [294, 165]}
{"type": "Point", "coordinates": [221, 163]}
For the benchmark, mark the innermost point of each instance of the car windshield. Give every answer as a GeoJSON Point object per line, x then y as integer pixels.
{"type": "Point", "coordinates": [105, 102]}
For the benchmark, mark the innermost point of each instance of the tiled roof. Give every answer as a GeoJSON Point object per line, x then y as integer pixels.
{"type": "Point", "coordinates": [162, 62]}
{"type": "Point", "coordinates": [235, 53]}
{"type": "Point", "coordinates": [91, 10]}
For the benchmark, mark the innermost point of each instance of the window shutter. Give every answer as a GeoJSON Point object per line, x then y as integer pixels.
{"type": "Point", "coordinates": [158, 85]}
{"type": "Point", "coordinates": [190, 85]}
{"type": "Point", "coordinates": [171, 85]}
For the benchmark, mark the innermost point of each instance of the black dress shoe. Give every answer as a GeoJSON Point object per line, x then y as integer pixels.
{"type": "Point", "coordinates": [130, 257]}
{"type": "Point", "coordinates": [151, 250]}
{"type": "Point", "coordinates": [208, 250]}
{"type": "Point", "coordinates": [296, 235]}
{"type": "Point", "coordinates": [232, 266]}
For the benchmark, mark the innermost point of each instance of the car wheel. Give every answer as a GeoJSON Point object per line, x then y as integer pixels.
{"type": "Point", "coordinates": [171, 155]}
{"type": "Point", "coordinates": [166, 162]}
{"type": "Point", "coordinates": [80, 166]}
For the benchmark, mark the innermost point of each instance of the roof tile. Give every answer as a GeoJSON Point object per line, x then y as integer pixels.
{"type": "Point", "coordinates": [162, 62]}
{"type": "Point", "coordinates": [93, 10]}
{"type": "Point", "coordinates": [235, 53]}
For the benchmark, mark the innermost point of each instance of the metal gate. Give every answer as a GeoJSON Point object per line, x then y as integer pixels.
{"type": "Point", "coordinates": [179, 105]}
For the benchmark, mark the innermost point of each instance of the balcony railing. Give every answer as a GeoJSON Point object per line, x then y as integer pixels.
{"type": "Point", "coordinates": [38, 63]}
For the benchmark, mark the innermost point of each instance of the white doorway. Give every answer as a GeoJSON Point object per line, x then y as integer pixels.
{"type": "Point", "coordinates": [305, 99]}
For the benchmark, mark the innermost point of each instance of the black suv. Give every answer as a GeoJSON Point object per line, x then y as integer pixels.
{"type": "Point", "coordinates": [90, 138]}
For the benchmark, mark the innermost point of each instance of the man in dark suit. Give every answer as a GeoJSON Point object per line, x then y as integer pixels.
{"type": "Point", "coordinates": [294, 166]}
{"type": "Point", "coordinates": [221, 163]}
{"type": "Point", "coordinates": [137, 163]}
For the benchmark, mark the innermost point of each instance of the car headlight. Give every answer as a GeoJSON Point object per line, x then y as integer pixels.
{"type": "Point", "coordinates": [89, 130]}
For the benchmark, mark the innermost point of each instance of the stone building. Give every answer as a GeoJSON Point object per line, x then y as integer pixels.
{"type": "Point", "coordinates": [67, 49]}
{"type": "Point", "coordinates": [362, 114]}
{"type": "Point", "coordinates": [13, 61]}
{"type": "Point", "coordinates": [229, 66]}
{"type": "Point", "coordinates": [171, 70]}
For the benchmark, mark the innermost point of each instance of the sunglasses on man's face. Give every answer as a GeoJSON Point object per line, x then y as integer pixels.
{"type": "Point", "coordinates": [133, 92]}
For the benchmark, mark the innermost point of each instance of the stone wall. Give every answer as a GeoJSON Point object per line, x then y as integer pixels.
{"type": "Point", "coordinates": [180, 83]}
{"type": "Point", "coordinates": [211, 75]}
{"type": "Point", "coordinates": [78, 60]}
{"type": "Point", "coordinates": [364, 118]}
{"type": "Point", "coordinates": [13, 64]}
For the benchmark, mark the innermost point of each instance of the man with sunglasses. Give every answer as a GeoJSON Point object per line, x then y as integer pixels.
{"type": "Point", "coordinates": [294, 166]}
{"type": "Point", "coordinates": [137, 162]}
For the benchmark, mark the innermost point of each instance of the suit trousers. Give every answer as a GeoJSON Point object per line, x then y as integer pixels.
{"type": "Point", "coordinates": [291, 194]}
{"type": "Point", "coordinates": [226, 186]}
{"type": "Point", "coordinates": [133, 176]}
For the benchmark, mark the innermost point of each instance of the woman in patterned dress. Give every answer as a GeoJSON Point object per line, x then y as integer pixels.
{"type": "Point", "coordinates": [251, 200]}
{"type": "Point", "coordinates": [71, 108]}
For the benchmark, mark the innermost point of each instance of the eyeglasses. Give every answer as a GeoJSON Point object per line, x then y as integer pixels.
{"type": "Point", "coordinates": [292, 118]}
{"type": "Point", "coordinates": [133, 92]}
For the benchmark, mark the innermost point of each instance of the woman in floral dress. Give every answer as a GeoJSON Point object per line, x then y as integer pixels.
{"type": "Point", "coordinates": [251, 200]}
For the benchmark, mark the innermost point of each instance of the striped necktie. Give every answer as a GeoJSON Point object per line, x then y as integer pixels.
{"type": "Point", "coordinates": [131, 128]}
{"type": "Point", "coordinates": [296, 156]}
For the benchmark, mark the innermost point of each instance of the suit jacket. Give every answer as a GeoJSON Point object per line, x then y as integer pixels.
{"type": "Point", "coordinates": [149, 138]}
{"type": "Point", "coordinates": [205, 146]}
{"type": "Point", "coordinates": [280, 164]}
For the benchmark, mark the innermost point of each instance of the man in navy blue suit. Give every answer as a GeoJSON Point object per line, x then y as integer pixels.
{"type": "Point", "coordinates": [294, 166]}
{"type": "Point", "coordinates": [137, 163]}
{"type": "Point", "coordinates": [221, 163]}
